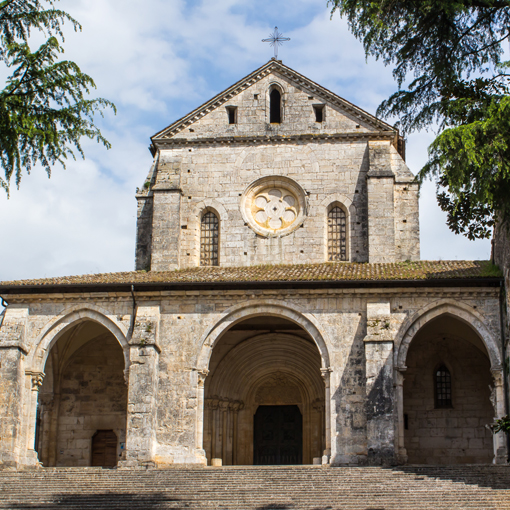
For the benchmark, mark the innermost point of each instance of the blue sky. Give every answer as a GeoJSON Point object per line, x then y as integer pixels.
{"type": "Point", "coordinates": [157, 60]}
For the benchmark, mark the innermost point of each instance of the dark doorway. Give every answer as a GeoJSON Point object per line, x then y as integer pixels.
{"type": "Point", "coordinates": [104, 448]}
{"type": "Point", "coordinates": [278, 435]}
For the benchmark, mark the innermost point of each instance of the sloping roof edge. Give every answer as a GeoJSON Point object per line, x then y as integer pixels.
{"type": "Point", "coordinates": [272, 65]}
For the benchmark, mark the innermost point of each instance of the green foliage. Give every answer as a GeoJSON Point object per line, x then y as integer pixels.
{"type": "Point", "coordinates": [501, 425]}
{"type": "Point", "coordinates": [450, 51]}
{"type": "Point", "coordinates": [44, 112]}
{"type": "Point", "coordinates": [490, 270]}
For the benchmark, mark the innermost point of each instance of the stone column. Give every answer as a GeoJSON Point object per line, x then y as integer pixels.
{"type": "Point", "coordinates": [34, 380]}
{"type": "Point", "coordinates": [399, 394]}
{"type": "Point", "coordinates": [325, 373]}
{"type": "Point", "coordinates": [142, 394]}
{"type": "Point", "coordinates": [237, 406]}
{"type": "Point", "coordinates": [380, 391]}
{"type": "Point", "coordinates": [498, 402]}
{"type": "Point", "coordinates": [201, 375]}
{"type": "Point", "coordinates": [318, 407]}
{"type": "Point", "coordinates": [213, 406]}
{"type": "Point", "coordinates": [12, 387]}
{"type": "Point", "coordinates": [223, 428]}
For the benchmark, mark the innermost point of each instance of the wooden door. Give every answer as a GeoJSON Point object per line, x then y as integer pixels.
{"type": "Point", "coordinates": [104, 449]}
{"type": "Point", "coordinates": [278, 435]}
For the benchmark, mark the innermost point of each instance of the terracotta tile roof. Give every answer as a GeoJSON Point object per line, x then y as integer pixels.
{"type": "Point", "coordinates": [333, 272]}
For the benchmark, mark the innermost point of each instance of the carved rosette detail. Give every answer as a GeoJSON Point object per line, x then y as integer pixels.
{"type": "Point", "coordinates": [274, 209]}
{"type": "Point", "coordinates": [273, 206]}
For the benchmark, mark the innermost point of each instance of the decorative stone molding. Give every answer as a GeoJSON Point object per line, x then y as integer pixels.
{"type": "Point", "coordinates": [273, 206]}
{"type": "Point", "coordinates": [37, 379]}
{"type": "Point", "coordinates": [325, 373]}
{"type": "Point", "coordinates": [223, 404]}
{"type": "Point", "coordinates": [279, 390]}
{"type": "Point", "coordinates": [202, 374]}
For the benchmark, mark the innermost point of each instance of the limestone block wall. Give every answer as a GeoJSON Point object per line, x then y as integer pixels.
{"type": "Point", "coordinates": [215, 180]}
{"type": "Point", "coordinates": [448, 436]}
{"type": "Point", "coordinates": [169, 415]}
{"type": "Point", "coordinates": [209, 164]}
{"type": "Point", "coordinates": [253, 113]}
{"type": "Point", "coordinates": [92, 396]}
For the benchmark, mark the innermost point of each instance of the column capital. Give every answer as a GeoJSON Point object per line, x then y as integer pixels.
{"type": "Point", "coordinates": [36, 378]}
{"type": "Point", "coordinates": [497, 375]}
{"type": "Point", "coordinates": [202, 374]}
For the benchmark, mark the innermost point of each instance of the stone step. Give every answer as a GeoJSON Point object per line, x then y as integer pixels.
{"type": "Point", "coordinates": [260, 488]}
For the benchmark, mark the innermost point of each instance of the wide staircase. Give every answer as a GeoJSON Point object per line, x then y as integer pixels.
{"type": "Point", "coordinates": [260, 488]}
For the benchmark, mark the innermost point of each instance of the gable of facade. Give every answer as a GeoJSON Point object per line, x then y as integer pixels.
{"type": "Point", "coordinates": [320, 151]}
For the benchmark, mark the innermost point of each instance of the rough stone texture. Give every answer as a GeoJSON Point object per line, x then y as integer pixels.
{"type": "Point", "coordinates": [204, 347]}
{"type": "Point", "coordinates": [176, 332]}
{"type": "Point", "coordinates": [91, 396]}
{"type": "Point", "coordinates": [380, 401]}
{"type": "Point", "coordinates": [448, 436]}
{"type": "Point", "coordinates": [193, 172]}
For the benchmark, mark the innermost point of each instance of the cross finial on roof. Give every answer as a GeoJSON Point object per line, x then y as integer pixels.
{"type": "Point", "coordinates": [276, 40]}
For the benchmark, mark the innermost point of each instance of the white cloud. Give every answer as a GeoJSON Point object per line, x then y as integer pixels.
{"type": "Point", "coordinates": [156, 61]}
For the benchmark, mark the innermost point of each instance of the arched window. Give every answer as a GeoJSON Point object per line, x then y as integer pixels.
{"type": "Point", "coordinates": [443, 387]}
{"type": "Point", "coordinates": [337, 234]}
{"type": "Point", "coordinates": [209, 236]}
{"type": "Point", "coordinates": [275, 107]}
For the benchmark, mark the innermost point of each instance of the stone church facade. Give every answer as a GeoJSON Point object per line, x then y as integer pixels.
{"type": "Point", "coordinates": [278, 313]}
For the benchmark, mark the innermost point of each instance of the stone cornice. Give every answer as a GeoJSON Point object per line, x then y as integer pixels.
{"type": "Point", "coordinates": [171, 143]}
{"type": "Point", "coordinates": [403, 292]}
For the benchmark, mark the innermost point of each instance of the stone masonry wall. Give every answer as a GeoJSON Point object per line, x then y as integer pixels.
{"type": "Point", "coordinates": [93, 397]}
{"type": "Point", "coordinates": [184, 319]}
{"type": "Point", "coordinates": [205, 173]}
{"type": "Point", "coordinates": [448, 436]}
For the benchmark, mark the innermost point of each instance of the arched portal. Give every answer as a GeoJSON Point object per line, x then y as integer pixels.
{"type": "Point", "coordinates": [264, 391]}
{"type": "Point", "coordinates": [83, 394]}
{"type": "Point", "coordinates": [447, 395]}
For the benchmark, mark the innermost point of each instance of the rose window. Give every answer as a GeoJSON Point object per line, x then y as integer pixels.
{"type": "Point", "coordinates": [273, 206]}
{"type": "Point", "coordinates": [275, 209]}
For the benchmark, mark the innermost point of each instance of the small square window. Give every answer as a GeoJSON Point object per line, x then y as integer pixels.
{"type": "Point", "coordinates": [319, 112]}
{"type": "Point", "coordinates": [232, 114]}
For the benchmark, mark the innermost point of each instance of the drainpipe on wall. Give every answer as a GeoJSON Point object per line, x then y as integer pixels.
{"type": "Point", "coordinates": [133, 314]}
{"type": "Point", "coordinates": [502, 316]}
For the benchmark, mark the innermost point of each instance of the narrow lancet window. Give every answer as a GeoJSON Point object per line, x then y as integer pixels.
{"type": "Point", "coordinates": [337, 234]}
{"type": "Point", "coordinates": [209, 237]}
{"type": "Point", "coordinates": [275, 107]}
{"type": "Point", "coordinates": [319, 112]}
{"type": "Point", "coordinates": [232, 114]}
{"type": "Point", "coordinates": [443, 387]}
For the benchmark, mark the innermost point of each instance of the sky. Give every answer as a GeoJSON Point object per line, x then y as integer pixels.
{"type": "Point", "coordinates": [157, 60]}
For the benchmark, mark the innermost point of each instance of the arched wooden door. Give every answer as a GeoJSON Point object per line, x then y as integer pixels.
{"type": "Point", "coordinates": [104, 449]}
